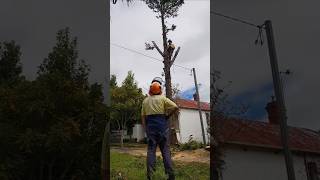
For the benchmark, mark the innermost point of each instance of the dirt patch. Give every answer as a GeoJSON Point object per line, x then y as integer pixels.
{"type": "Point", "coordinates": [198, 155]}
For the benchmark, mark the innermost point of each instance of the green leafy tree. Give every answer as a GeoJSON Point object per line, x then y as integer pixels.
{"type": "Point", "coordinates": [57, 119]}
{"type": "Point", "coordinates": [126, 103]}
{"type": "Point", "coordinates": [10, 77]}
{"type": "Point", "coordinates": [113, 81]}
{"type": "Point", "coordinates": [77, 115]}
{"type": "Point", "coordinates": [10, 66]}
{"type": "Point", "coordinates": [165, 8]}
{"type": "Point", "coordinates": [63, 61]}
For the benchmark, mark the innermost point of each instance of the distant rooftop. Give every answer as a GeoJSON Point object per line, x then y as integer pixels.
{"type": "Point", "coordinates": [267, 135]}
{"type": "Point", "coordinates": [191, 104]}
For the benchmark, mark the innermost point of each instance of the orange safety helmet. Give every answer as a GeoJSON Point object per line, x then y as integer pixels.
{"type": "Point", "coordinates": [155, 88]}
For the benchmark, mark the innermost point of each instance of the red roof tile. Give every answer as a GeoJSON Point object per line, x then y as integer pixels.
{"type": "Point", "coordinates": [191, 104]}
{"type": "Point", "coordinates": [263, 134]}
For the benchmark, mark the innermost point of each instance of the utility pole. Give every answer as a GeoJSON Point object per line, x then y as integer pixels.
{"type": "Point", "coordinates": [199, 105]}
{"type": "Point", "coordinates": [279, 99]}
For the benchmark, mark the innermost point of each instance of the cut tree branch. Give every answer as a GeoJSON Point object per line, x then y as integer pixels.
{"type": "Point", "coordinates": [175, 56]}
{"type": "Point", "coordinates": [156, 46]}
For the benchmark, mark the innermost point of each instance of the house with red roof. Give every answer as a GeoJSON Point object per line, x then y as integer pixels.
{"type": "Point", "coordinates": [189, 124]}
{"type": "Point", "coordinates": [252, 149]}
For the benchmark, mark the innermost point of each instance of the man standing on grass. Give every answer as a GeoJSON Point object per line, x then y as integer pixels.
{"type": "Point", "coordinates": [155, 121]}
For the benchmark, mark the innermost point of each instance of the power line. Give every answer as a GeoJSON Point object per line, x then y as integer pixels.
{"type": "Point", "coordinates": [260, 27]}
{"type": "Point", "coordinates": [181, 67]}
{"type": "Point", "coordinates": [134, 51]}
{"type": "Point", "coordinates": [235, 19]}
{"type": "Point", "coordinates": [137, 52]}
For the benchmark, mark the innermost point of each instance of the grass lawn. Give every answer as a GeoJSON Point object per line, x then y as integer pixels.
{"type": "Point", "coordinates": [128, 167]}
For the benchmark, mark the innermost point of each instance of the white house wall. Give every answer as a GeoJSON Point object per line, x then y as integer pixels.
{"type": "Point", "coordinates": [259, 165]}
{"type": "Point", "coordinates": [138, 132]}
{"type": "Point", "coordinates": [189, 121]}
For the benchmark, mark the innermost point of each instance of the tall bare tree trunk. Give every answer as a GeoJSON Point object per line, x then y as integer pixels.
{"type": "Point", "coordinates": [166, 60]}
{"type": "Point", "coordinates": [166, 69]}
{"type": "Point", "coordinates": [121, 137]}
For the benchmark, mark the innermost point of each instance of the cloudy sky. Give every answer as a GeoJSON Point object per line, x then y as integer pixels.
{"type": "Point", "coordinates": [247, 66]}
{"type": "Point", "coordinates": [132, 26]}
{"type": "Point", "coordinates": [33, 25]}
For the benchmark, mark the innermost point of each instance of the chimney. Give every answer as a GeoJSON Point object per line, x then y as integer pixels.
{"type": "Point", "coordinates": [273, 112]}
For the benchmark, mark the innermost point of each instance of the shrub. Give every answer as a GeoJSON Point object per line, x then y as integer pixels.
{"type": "Point", "coordinates": [134, 140]}
{"type": "Point", "coordinates": [191, 145]}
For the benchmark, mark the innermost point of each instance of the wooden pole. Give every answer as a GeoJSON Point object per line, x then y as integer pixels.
{"type": "Point", "coordinates": [199, 106]}
{"type": "Point", "coordinates": [280, 100]}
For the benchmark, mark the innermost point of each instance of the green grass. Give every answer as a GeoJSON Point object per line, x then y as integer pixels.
{"type": "Point", "coordinates": [135, 145]}
{"type": "Point", "coordinates": [128, 167]}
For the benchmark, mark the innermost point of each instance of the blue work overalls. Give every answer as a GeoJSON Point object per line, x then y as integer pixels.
{"type": "Point", "coordinates": [157, 129]}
